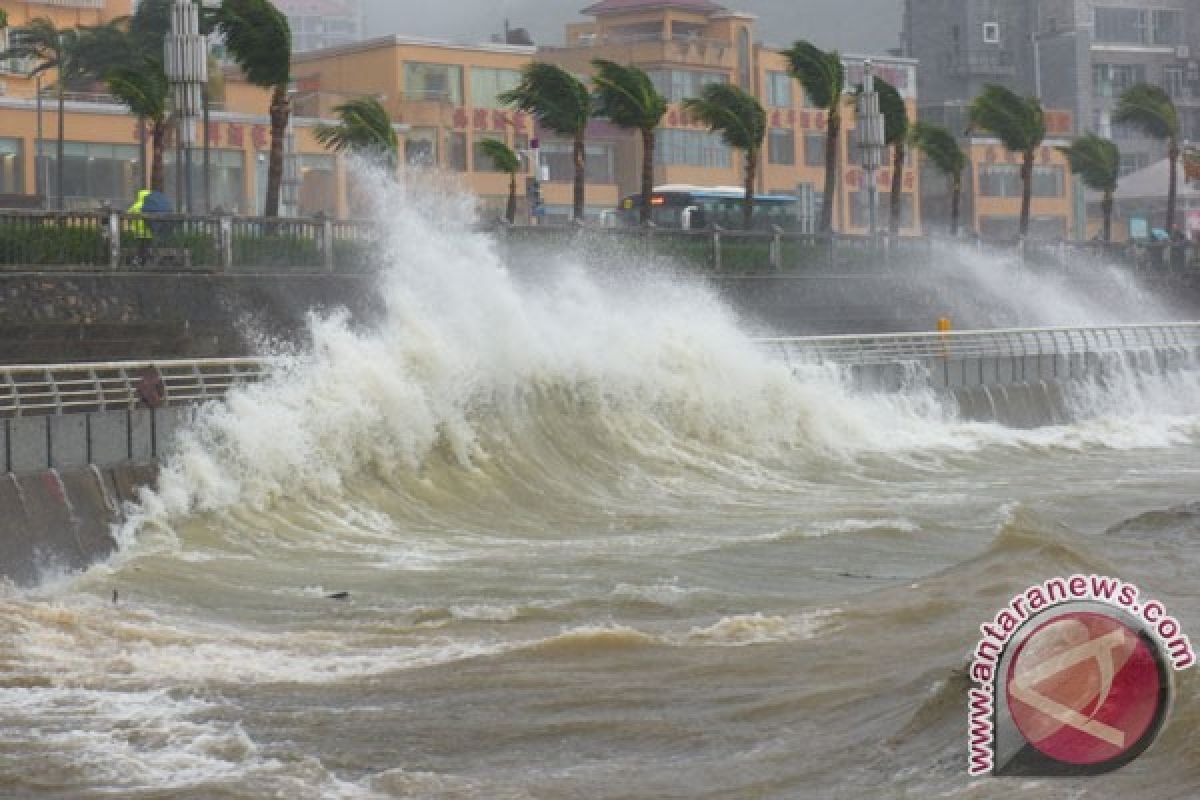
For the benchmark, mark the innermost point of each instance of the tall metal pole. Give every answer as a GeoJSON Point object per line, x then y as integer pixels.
{"type": "Point", "coordinates": [871, 141]}
{"type": "Point", "coordinates": [186, 62]}
{"type": "Point", "coordinates": [40, 181]}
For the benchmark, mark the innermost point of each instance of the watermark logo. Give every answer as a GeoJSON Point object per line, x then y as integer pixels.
{"type": "Point", "coordinates": [1073, 677]}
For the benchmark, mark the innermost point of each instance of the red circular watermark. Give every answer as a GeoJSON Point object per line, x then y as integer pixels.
{"type": "Point", "coordinates": [1086, 689]}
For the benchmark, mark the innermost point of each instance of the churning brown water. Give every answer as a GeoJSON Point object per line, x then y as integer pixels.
{"type": "Point", "coordinates": [595, 546]}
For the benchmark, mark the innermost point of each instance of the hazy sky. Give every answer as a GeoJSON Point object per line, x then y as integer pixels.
{"type": "Point", "coordinates": [849, 25]}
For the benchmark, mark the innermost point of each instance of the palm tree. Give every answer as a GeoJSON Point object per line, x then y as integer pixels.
{"type": "Point", "coordinates": [507, 161]}
{"type": "Point", "coordinates": [742, 123]}
{"type": "Point", "coordinates": [259, 40]}
{"type": "Point", "coordinates": [365, 129]}
{"type": "Point", "coordinates": [824, 78]}
{"type": "Point", "coordinates": [627, 97]}
{"type": "Point", "coordinates": [144, 90]}
{"type": "Point", "coordinates": [943, 150]}
{"type": "Point", "coordinates": [1098, 162]}
{"type": "Point", "coordinates": [52, 48]}
{"type": "Point", "coordinates": [1020, 125]}
{"type": "Point", "coordinates": [1150, 109]}
{"type": "Point", "coordinates": [561, 103]}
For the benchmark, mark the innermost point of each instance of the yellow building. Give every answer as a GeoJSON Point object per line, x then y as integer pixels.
{"type": "Point", "coordinates": [104, 152]}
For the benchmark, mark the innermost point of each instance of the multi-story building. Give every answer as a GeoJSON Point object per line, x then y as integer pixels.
{"type": "Point", "coordinates": [317, 24]}
{"type": "Point", "coordinates": [446, 94]}
{"type": "Point", "coordinates": [1077, 56]}
{"type": "Point", "coordinates": [104, 153]}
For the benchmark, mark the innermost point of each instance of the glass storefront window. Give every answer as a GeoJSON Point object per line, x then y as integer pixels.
{"type": "Point", "coordinates": [433, 82]}
{"type": "Point", "coordinates": [11, 167]}
{"type": "Point", "coordinates": [486, 84]}
{"type": "Point", "coordinates": [93, 174]}
{"type": "Point", "coordinates": [226, 179]}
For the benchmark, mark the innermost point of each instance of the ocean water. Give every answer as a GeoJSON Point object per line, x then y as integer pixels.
{"type": "Point", "coordinates": [593, 543]}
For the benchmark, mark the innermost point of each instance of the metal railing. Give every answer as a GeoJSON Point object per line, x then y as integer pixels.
{"type": "Point", "coordinates": [71, 388]}
{"type": "Point", "coordinates": [892, 348]}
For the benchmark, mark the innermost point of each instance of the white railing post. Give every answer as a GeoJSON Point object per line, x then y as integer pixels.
{"type": "Point", "coordinates": [716, 248]}
{"type": "Point", "coordinates": [327, 242]}
{"type": "Point", "coordinates": [114, 239]}
{"type": "Point", "coordinates": [225, 237]}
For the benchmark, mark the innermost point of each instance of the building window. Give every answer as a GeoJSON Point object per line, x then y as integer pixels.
{"type": "Point", "coordinates": [318, 185]}
{"type": "Point", "coordinates": [691, 148]}
{"type": "Point", "coordinates": [781, 146]}
{"type": "Point", "coordinates": [853, 151]}
{"type": "Point", "coordinates": [456, 151]}
{"type": "Point", "coordinates": [991, 32]}
{"type": "Point", "coordinates": [93, 174]}
{"type": "Point", "coordinates": [999, 180]}
{"type": "Point", "coordinates": [486, 84]}
{"type": "Point", "coordinates": [744, 58]}
{"type": "Point", "coordinates": [1173, 82]}
{"type": "Point", "coordinates": [860, 210]}
{"type": "Point", "coordinates": [1132, 162]}
{"type": "Point", "coordinates": [779, 89]}
{"type": "Point", "coordinates": [480, 160]}
{"type": "Point", "coordinates": [12, 173]}
{"type": "Point", "coordinates": [676, 85]}
{"type": "Point", "coordinates": [433, 82]}
{"type": "Point", "coordinates": [558, 157]}
{"type": "Point", "coordinates": [421, 147]}
{"type": "Point", "coordinates": [1137, 26]}
{"type": "Point", "coordinates": [814, 149]}
{"type": "Point", "coordinates": [1110, 80]}
{"type": "Point", "coordinates": [227, 185]}
{"type": "Point", "coordinates": [1048, 181]}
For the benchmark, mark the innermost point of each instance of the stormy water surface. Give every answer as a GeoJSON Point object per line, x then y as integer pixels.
{"type": "Point", "coordinates": [595, 545]}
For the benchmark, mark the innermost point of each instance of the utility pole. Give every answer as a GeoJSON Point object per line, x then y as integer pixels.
{"type": "Point", "coordinates": [186, 62]}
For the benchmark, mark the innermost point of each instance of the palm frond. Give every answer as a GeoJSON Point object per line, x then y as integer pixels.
{"type": "Point", "coordinates": [365, 129]}
{"type": "Point", "coordinates": [554, 96]}
{"type": "Point", "coordinates": [626, 96]}
{"type": "Point", "coordinates": [502, 156]}
{"type": "Point", "coordinates": [258, 38]}
{"type": "Point", "coordinates": [1018, 122]}
{"type": "Point", "coordinates": [1096, 160]}
{"type": "Point", "coordinates": [820, 73]}
{"type": "Point", "coordinates": [940, 147]}
{"type": "Point", "coordinates": [1149, 109]}
{"type": "Point", "coordinates": [731, 112]}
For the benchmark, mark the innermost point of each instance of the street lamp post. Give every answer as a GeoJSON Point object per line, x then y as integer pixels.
{"type": "Point", "coordinates": [186, 61]}
{"type": "Point", "coordinates": [871, 140]}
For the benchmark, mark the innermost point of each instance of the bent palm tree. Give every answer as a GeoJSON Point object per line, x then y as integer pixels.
{"type": "Point", "coordinates": [259, 40]}
{"type": "Point", "coordinates": [1097, 162]}
{"type": "Point", "coordinates": [943, 150]}
{"type": "Point", "coordinates": [365, 129]}
{"type": "Point", "coordinates": [895, 134]}
{"type": "Point", "coordinates": [742, 123]}
{"type": "Point", "coordinates": [560, 103]}
{"type": "Point", "coordinates": [144, 90]}
{"type": "Point", "coordinates": [1151, 109]}
{"type": "Point", "coordinates": [627, 97]}
{"type": "Point", "coordinates": [824, 79]}
{"type": "Point", "coordinates": [505, 160]}
{"type": "Point", "coordinates": [1020, 125]}
{"type": "Point", "coordinates": [51, 48]}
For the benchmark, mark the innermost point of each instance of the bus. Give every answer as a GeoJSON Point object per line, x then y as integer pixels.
{"type": "Point", "coordinates": [684, 207]}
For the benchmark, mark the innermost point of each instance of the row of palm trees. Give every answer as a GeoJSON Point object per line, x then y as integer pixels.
{"type": "Point", "coordinates": [127, 55]}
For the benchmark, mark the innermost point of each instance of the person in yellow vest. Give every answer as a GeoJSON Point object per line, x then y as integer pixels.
{"type": "Point", "coordinates": [138, 228]}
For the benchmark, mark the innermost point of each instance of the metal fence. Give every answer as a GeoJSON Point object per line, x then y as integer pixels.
{"type": "Point", "coordinates": [891, 348]}
{"type": "Point", "coordinates": [72, 388]}
{"type": "Point", "coordinates": [100, 240]}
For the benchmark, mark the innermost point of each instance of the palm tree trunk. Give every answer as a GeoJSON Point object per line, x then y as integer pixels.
{"type": "Point", "coordinates": [1026, 191]}
{"type": "Point", "coordinates": [1173, 189]}
{"type": "Point", "coordinates": [280, 112]}
{"type": "Point", "coordinates": [143, 159]}
{"type": "Point", "coordinates": [897, 188]}
{"type": "Point", "coordinates": [158, 138]}
{"type": "Point", "coordinates": [1108, 209]}
{"type": "Point", "coordinates": [748, 198]}
{"type": "Point", "coordinates": [832, 153]}
{"type": "Point", "coordinates": [647, 175]}
{"type": "Point", "coordinates": [580, 176]}
{"type": "Point", "coordinates": [510, 212]}
{"type": "Point", "coordinates": [59, 201]}
{"type": "Point", "coordinates": [955, 203]}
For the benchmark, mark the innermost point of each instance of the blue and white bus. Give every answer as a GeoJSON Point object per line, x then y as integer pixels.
{"type": "Point", "coordinates": [685, 207]}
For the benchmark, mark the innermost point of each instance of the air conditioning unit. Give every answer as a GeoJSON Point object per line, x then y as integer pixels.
{"type": "Point", "coordinates": [1183, 52]}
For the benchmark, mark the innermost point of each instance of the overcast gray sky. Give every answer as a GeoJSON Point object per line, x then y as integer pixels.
{"type": "Point", "coordinates": [849, 25]}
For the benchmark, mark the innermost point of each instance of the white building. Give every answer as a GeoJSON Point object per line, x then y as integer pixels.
{"type": "Point", "coordinates": [318, 24]}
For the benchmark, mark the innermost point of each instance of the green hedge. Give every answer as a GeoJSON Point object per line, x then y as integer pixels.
{"type": "Point", "coordinates": [46, 243]}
